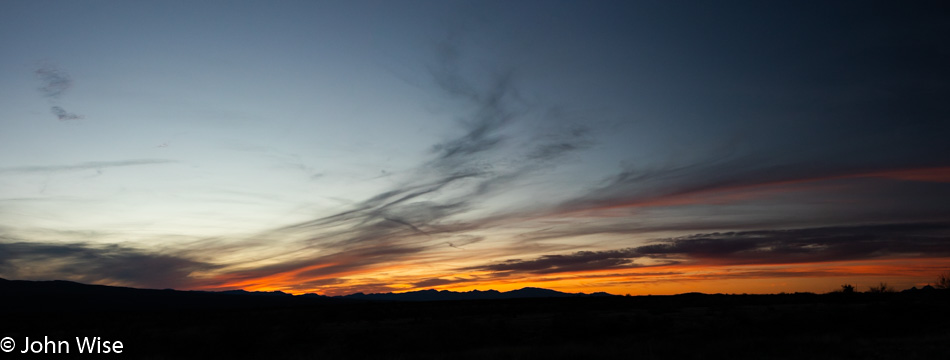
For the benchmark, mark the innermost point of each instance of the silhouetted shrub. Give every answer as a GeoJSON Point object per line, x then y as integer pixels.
{"type": "Point", "coordinates": [847, 288]}
{"type": "Point", "coordinates": [943, 281]}
{"type": "Point", "coordinates": [880, 289]}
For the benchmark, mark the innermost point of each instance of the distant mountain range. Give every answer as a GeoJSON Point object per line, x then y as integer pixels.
{"type": "Point", "coordinates": [435, 295]}
{"type": "Point", "coordinates": [17, 295]}
{"type": "Point", "coordinates": [68, 294]}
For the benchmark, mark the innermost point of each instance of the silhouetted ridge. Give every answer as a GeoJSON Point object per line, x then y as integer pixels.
{"type": "Point", "coordinates": [436, 295]}
{"type": "Point", "coordinates": [68, 296]}
{"type": "Point", "coordinates": [257, 293]}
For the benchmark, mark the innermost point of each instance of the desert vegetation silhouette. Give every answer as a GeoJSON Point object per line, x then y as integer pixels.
{"type": "Point", "coordinates": [847, 289]}
{"type": "Point", "coordinates": [943, 281]}
{"type": "Point", "coordinates": [880, 289]}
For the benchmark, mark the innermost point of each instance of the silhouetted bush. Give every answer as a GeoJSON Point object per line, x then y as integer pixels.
{"type": "Point", "coordinates": [943, 281]}
{"type": "Point", "coordinates": [880, 289]}
{"type": "Point", "coordinates": [847, 288]}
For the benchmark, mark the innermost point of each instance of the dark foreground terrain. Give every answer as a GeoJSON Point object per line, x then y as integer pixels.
{"type": "Point", "coordinates": [164, 324]}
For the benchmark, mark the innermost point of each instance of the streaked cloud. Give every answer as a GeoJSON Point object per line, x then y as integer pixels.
{"type": "Point", "coordinates": [701, 183]}
{"type": "Point", "coordinates": [112, 264]}
{"type": "Point", "coordinates": [763, 247]}
{"type": "Point", "coordinates": [575, 262]}
{"type": "Point", "coordinates": [92, 165]}
{"type": "Point", "coordinates": [428, 283]}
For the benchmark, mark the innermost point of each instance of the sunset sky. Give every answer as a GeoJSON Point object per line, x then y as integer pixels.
{"type": "Point", "coordinates": [334, 147]}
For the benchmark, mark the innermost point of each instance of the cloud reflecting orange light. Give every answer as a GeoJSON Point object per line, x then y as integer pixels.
{"type": "Point", "coordinates": [729, 194]}
{"type": "Point", "coordinates": [657, 280]}
{"type": "Point", "coordinates": [708, 274]}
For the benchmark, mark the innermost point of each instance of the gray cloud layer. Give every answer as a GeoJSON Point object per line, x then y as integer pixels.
{"type": "Point", "coordinates": [755, 247]}
{"type": "Point", "coordinates": [91, 263]}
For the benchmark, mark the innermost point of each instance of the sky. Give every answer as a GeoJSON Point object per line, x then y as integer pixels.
{"type": "Point", "coordinates": [335, 147]}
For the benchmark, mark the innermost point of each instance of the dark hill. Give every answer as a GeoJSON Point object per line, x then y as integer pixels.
{"type": "Point", "coordinates": [66, 296]}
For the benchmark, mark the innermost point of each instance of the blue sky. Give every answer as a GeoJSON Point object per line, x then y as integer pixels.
{"type": "Point", "coordinates": [338, 146]}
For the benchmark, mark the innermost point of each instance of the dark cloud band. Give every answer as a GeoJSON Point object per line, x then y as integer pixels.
{"type": "Point", "coordinates": [91, 263]}
{"type": "Point", "coordinates": [754, 248]}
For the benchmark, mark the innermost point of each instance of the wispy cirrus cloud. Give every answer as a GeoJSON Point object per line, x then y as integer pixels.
{"type": "Point", "coordinates": [84, 166]}
{"type": "Point", "coordinates": [427, 209]}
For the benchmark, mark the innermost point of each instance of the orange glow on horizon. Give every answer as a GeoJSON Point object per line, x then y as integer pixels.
{"type": "Point", "coordinates": [649, 280]}
{"type": "Point", "coordinates": [698, 274]}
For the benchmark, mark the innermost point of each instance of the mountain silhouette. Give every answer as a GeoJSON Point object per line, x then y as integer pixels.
{"type": "Point", "coordinates": [443, 295]}
{"type": "Point", "coordinates": [67, 295]}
